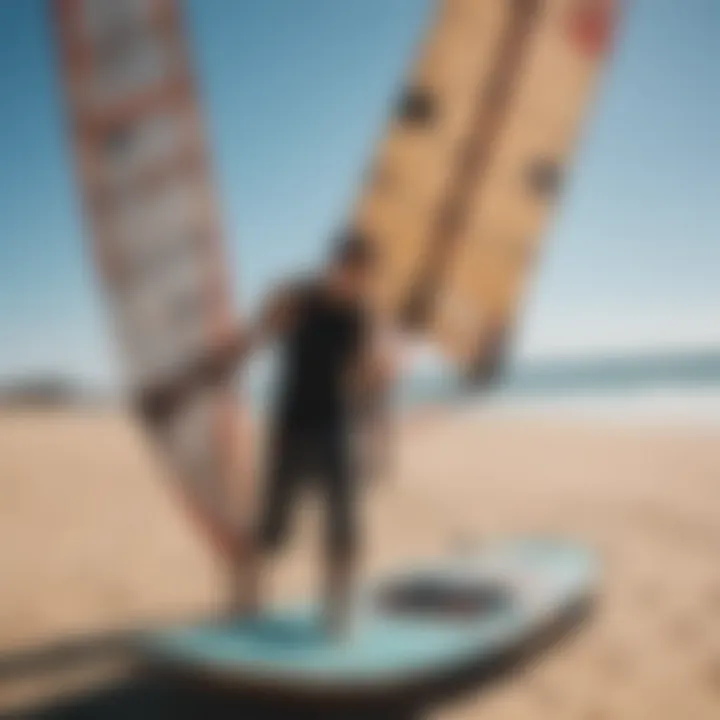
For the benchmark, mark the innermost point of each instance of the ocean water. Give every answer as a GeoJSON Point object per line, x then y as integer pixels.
{"type": "Point", "coordinates": [692, 375]}
{"type": "Point", "coordinates": [632, 373]}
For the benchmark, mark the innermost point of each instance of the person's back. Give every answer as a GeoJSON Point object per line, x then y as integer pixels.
{"type": "Point", "coordinates": [320, 349]}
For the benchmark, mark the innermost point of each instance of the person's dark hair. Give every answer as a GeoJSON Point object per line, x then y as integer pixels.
{"type": "Point", "coordinates": [353, 249]}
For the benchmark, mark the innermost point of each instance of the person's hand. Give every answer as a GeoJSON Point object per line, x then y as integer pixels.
{"type": "Point", "coordinates": [214, 365]}
{"type": "Point", "coordinates": [222, 356]}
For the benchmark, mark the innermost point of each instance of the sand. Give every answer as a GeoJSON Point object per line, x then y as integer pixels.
{"type": "Point", "coordinates": [92, 537]}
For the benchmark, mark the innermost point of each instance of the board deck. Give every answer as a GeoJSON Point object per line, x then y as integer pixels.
{"type": "Point", "coordinates": [154, 227]}
{"type": "Point", "coordinates": [408, 629]}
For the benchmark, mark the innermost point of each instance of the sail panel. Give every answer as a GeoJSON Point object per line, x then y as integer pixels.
{"type": "Point", "coordinates": [154, 231]}
{"type": "Point", "coordinates": [511, 204]}
{"type": "Point", "coordinates": [462, 186]}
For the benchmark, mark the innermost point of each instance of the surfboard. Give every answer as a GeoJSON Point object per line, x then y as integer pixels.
{"type": "Point", "coordinates": [154, 228]}
{"type": "Point", "coordinates": [462, 187]}
{"type": "Point", "coordinates": [410, 629]}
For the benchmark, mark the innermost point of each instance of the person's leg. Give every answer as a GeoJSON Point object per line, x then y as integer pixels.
{"type": "Point", "coordinates": [246, 576]}
{"type": "Point", "coordinates": [278, 493]}
{"type": "Point", "coordinates": [339, 584]}
{"type": "Point", "coordinates": [244, 566]}
{"type": "Point", "coordinates": [341, 542]}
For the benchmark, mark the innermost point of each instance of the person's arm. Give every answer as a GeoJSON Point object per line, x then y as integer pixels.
{"type": "Point", "coordinates": [377, 370]}
{"type": "Point", "coordinates": [222, 359]}
{"type": "Point", "coordinates": [377, 364]}
{"type": "Point", "coordinates": [273, 320]}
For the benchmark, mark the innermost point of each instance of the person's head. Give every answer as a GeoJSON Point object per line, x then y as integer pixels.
{"type": "Point", "coordinates": [352, 263]}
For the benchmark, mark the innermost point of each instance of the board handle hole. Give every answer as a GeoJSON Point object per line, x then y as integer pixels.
{"type": "Point", "coordinates": [444, 599]}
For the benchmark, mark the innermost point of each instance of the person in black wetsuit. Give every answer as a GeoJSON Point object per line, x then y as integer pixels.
{"type": "Point", "coordinates": [325, 335]}
{"type": "Point", "coordinates": [331, 370]}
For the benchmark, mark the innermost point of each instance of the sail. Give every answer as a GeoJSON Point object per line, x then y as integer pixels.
{"type": "Point", "coordinates": [153, 222]}
{"type": "Point", "coordinates": [462, 186]}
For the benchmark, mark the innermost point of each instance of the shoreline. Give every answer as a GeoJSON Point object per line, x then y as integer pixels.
{"type": "Point", "coordinates": [649, 407]}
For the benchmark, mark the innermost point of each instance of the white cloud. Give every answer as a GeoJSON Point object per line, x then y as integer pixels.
{"type": "Point", "coordinates": [618, 329]}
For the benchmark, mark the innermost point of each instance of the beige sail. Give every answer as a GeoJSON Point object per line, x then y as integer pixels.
{"type": "Point", "coordinates": [462, 187]}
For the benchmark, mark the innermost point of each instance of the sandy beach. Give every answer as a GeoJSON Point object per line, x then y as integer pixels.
{"type": "Point", "coordinates": [92, 538]}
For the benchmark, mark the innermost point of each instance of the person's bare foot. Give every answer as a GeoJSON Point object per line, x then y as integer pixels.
{"type": "Point", "coordinates": [244, 600]}
{"type": "Point", "coordinates": [242, 605]}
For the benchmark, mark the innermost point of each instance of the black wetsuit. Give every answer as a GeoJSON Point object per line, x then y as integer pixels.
{"type": "Point", "coordinates": [310, 435]}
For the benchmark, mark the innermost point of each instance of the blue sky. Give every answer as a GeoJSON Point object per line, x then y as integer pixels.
{"type": "Point", "coordinates": [296, 92]}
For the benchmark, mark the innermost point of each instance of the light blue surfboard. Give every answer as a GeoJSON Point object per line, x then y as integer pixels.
{"type": "Point", "coordinates": [409, 628]}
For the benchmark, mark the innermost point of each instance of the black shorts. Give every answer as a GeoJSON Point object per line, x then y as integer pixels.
{"type": "Point", "coordinates": [323, 461]}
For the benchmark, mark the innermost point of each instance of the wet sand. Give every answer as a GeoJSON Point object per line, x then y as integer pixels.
{"type": "Point", "coordinates": [92, 538]}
